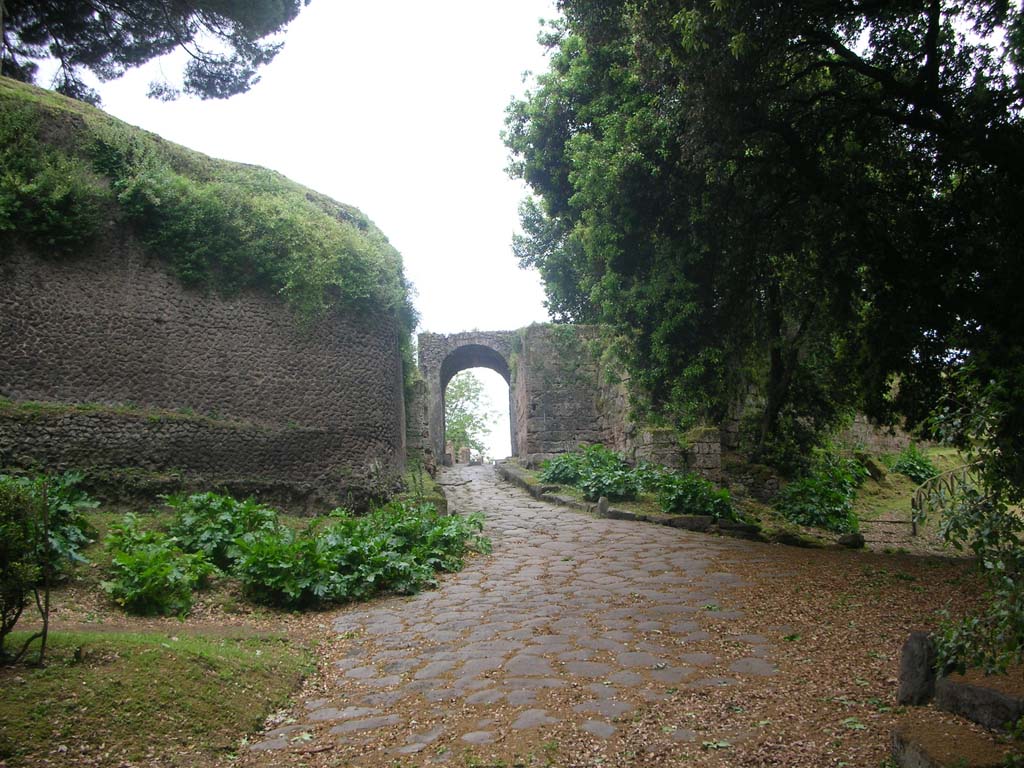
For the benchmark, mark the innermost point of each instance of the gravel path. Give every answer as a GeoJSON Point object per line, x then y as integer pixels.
{"type": "Point", "coordinates": [542, 653]}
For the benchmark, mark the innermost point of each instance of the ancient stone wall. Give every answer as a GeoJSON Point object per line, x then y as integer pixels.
{"type": "Point", "coordinates": [313, 411]}
{"type": "Point", "coordinates": [557, 375]}
{"type": "Point", "coordinates": [572, 392]}
{"type": "Point", "coordinates": [863, 435]}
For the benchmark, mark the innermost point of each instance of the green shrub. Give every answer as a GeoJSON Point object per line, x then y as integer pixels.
{"type": "Point", "coordinates": [19, 563]}
{"type": "Point", "coordinates": [211, 523]}
{"type": "Point", "coordinates": [914, 464]}
{"type": "Point", "coordinates": [397, 548]}
{"type": "Point", "coordinates": [69, 530]}
{"type": "Point", "coordinates": [617, 484]}
{"type": "Point", "coordinates": [53, 200]}
{"type": "Point", "coordinates": [150, 575]}
{"type": "Point", "coordinates": [688, 494]}
{"type": "Point", "coordinates": [596, 471]}
{"type": "Point", "coordinates": [564, 469]}
{"type": "Point", "coordinates": [823, 497]}
{"type": "Point", "coordinates": [282, 568]}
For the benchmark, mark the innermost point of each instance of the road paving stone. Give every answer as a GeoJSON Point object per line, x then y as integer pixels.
{"type": "Point", "coordinates": [558, 627]}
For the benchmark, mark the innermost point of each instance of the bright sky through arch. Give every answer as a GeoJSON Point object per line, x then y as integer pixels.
{"type": "Point", "coordinates": [394, 108]}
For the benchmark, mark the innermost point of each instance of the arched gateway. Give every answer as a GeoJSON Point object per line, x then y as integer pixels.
{"type": "Point", "coordinates": [441, 357]}
{"type": "Point", "coordinates": [563, 392]}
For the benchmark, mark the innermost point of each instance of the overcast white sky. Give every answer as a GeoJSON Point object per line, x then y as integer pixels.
{"type": "Point", "coordinates": [395, 108]}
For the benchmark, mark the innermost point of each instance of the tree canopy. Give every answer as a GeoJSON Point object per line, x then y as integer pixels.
{"type": "Point", "coordinates": [798, 208]}
{"type": "Point", "coordinates": [224, 39]}
{"type": "Point", "coordinates": [467, 413]}
{"type": "Point", "coordinates": [809, 205]}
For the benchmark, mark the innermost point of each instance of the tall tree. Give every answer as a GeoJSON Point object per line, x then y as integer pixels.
{"type": "Point", "coordinates": [467, 413]}
{"type": "Point", "coordinates": [810, 199]}
{"type": "Point", "coordinates": [223, 38]}
{"type": "Point", "coordinates": [809, 205]}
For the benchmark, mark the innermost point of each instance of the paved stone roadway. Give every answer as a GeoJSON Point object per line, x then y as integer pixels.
{"type": "Point", "coordinates": [571, 626]}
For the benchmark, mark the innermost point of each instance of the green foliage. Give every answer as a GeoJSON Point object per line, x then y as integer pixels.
{"type": "Point", "coordinates": [66, 171]}
{"type": "Point", "coordinates": [467, 412]}
{"type": "Point", "coordinates": [688, 494]}
{"type": "Point", "coordinates": [150, 574]}
{"type": "Point", "coordinates": [914, 464]}
{"type": "Point", "coordinates": [394, 549]}
{"type": "Point", "coordinates": [663, 136]}
{"type": "Point", "coordinates": [236, 227]}
{"type": "Point", "coordinates": [993, 640]}
{"type": "Point", "coordinates": [210, 523]}
{"type": "Point", "coordinates": [224, 42]}
{"type": "Point", "coordinates": [563, 469]}
{"type": "Point", "coordinates": [596, 471]}
{"type": "Point", "coordinates": [823, 497]}
{"type": "Point", "coordinates": [69, 529]}
{"type": "Point", "coordinates": [979, 508]}
{"type": "Point", "coordinates": [49, 198]}
{"type": "Point", "coordinates": [20, 531]}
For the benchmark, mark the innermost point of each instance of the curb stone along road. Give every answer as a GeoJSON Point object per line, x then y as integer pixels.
{"type": "Point", "coordinates": [572, 627]}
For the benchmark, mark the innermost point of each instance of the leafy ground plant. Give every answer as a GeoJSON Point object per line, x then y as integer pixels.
{"type": "Point", "coordinates": [596, 471]}
{"type": "Point", "coordinates": [150, 574]}
{"type": "Point", "coordinates": [823, 497]}
{"type": "Point", "coordinates": [69, 529]}
{"type": "Point", "coordinates": [912, 463]}
{"type": "Point", "coordinates": [688, 494]}
{"type": "Point", "coordinates": [397, 548]}
{"type": "Point", "coordinates": [211, 523]}
{"type": "Point", "coordinates": [19, 566]}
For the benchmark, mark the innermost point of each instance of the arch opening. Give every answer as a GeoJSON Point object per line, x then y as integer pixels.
{"type": "Point", "coordinates": [473, 356]}
{"type": "Point", "coordinates": [484, 362]}
{"type": "Point", "coordinates": [494, 404]}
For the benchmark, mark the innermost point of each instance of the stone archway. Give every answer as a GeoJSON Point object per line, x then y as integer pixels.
{"type": "Point", "coordinates": [443, 356]}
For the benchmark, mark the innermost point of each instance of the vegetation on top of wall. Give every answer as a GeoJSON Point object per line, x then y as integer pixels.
{"type": "Point", "coordinates": [70, 168]}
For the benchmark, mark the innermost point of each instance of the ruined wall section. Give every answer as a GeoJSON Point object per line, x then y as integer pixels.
{"type": "Point", "coordinates": [309, 412]}
{"type": "Point", "coordinates": [559, 401]}
{"type": "Point", "coordinates": [575, 392]}
{"type": "Point", "coordinates": [864, 435]}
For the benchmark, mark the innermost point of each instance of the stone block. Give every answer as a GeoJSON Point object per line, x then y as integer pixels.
{"type": "Point", "coordinates": [986, 706]}
{"type": "Point", "coordinates": [917, 670]}
{"type": "Point", "coordinates": [698, 523]}
{"type": "Point", "coordinates": [851, 540]}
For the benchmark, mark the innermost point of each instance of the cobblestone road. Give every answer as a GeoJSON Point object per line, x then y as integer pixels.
{"type": "Point", "coordinates": [559, 641]}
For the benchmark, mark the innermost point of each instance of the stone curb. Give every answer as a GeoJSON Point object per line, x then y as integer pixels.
{"type": "Point", "coordinates": [698, 523]}
{"type": "Point", "coordinates": [919, 744]}
{"type": "Point", "coordinates": [986, 706]}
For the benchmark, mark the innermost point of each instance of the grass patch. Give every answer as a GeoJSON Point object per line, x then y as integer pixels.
{"type": "Point", "coordinates": [112, 697]}
{"type": "Point", "coordinates": [421, 488]}
{"type": "Point", "coordinates": [890, 498]}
